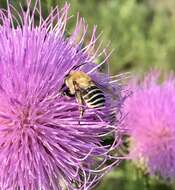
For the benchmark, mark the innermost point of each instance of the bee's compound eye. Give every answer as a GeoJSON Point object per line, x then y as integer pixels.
{"type": "Point", "coordinates": [67, 93]}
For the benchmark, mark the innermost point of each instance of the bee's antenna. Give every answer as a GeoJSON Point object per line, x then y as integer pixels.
{"type": "Point", "coordinates": [77, 66]}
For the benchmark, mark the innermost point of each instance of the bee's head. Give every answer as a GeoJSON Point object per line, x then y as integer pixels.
{"type": "Point", "coordinates": [64, 86]}
{"type": "Point", "coordinates": [62, 89]}
{"type": "Point", "coordinates": [65, 91]}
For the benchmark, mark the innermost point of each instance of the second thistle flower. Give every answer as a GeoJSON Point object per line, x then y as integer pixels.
{"type": "Point", "coordinates": [151, 125]}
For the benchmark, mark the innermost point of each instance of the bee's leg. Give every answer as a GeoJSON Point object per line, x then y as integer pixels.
{"type": "Point", "coordinates": [80, 102]}
{"type": "Point", "coordinates": [79, 99]}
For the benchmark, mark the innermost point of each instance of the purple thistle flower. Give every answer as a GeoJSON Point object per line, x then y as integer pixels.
{"type": "Point", "coordinates": [43, 143]}
{"type": "Point", "coordinates": [151, 125]}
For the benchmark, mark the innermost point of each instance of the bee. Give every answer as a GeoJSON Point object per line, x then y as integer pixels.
{"type": "Point", "coordinates": [87, 92]}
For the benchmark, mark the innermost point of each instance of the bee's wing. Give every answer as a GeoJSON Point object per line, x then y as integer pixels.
{"type": "Point", "coordinates": [117, 81]}
{"type": "Point", "coordinates": [107, 90]}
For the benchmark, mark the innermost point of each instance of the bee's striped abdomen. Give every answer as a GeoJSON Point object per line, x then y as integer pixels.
{"type": "Point", "coordinates": [94, 97]}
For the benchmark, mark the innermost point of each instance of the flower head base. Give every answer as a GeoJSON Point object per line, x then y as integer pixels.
{"type": "Point", "coordinates": [151, 125]}
{"type": "Point", "coordinates": [43, 143]}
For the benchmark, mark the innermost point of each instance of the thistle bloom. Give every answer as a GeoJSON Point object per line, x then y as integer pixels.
{"type": "Point", "coordinates": [151, 125]}
{"type": "Point", "coordinates": [43, 143]}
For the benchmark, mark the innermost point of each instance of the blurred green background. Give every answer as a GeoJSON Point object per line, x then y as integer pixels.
{"type": "Point", "coordinates": [143, 35]}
